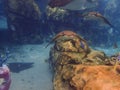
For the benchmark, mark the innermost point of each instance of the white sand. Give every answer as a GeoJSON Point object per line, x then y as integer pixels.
{"type": "Point", "coordinates": [39, 76]}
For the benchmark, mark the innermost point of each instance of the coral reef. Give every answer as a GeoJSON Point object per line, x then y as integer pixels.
{"type": "Point", "coordinates": [83, 77]}
{"type": "Point", "coordinates": [26, 9]}
{"type": "Point", "coordinates": [56, 13]}
{"type": "Point", "coordinates": [28, 23]}
{"type": "Point", "coordinates": [78, 69]}
{"type": "Point", "coordinates": [23, 18]}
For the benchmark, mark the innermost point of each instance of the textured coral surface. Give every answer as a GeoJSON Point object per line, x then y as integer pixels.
{"type": "Point", "coordinates": [78, 69]}
{"type": "Point", "coordinates": [81, 77]}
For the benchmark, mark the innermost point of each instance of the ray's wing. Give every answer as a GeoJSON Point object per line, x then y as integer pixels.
{"type": "Point", "coordinates": [73, 4]}
{"type": "Point", "coordinates": [106, 21]}
{"type": "Point", "coordinates": [59, 3]}
{"type": "Point", "coordinates": [98, 15]}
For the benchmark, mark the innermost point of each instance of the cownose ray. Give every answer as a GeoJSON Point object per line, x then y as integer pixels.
{"type": "Point", "coordinates": [68, 4]}
{"type": "Point", "coordinates": [96, 15]}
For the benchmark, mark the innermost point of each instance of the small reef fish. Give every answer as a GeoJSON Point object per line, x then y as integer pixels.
{"type": "Point", "coordinates": [96, 15]}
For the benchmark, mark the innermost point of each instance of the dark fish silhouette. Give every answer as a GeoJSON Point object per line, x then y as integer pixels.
{"type": "Point", "coordinates": [16, 67]}
{"type": "Point", "coordinates": [98, 15]}
{"type": "Point", "coordinates": [59, 3]}
{"type": "Point", "coordinates": [78, 4]}
{"type": "Point", "coordinates": [67, 4]}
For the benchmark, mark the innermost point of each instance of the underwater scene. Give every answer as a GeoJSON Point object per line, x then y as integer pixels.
{"type": "Point", "coordinates": [59, 45]}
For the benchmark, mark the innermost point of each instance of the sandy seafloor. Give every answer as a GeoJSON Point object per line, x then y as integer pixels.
{"type": "Point", "coordinates": [38, 77]}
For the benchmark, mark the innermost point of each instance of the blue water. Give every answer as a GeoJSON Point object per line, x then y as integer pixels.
{"type": "Point", "coordinates": [28, 44]}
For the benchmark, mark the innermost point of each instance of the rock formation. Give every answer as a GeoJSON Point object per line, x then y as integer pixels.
{"type": "Point", "coordinates": [23, 17]}
{"type": "Point", "coordinates": [76, 69]}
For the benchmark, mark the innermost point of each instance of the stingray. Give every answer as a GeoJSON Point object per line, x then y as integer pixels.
{"type": "Point", "coordinates": [68, 4]}
{"type": "Point", "coordinates": [17, 67]}
{"type": "Point", "coordinates": [97, 16]}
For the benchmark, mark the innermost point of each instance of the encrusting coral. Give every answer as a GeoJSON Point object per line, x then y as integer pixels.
{"type": "Point", "coordinates": [78, 69]}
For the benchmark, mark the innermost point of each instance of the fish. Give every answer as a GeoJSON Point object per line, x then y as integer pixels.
{"type": "Point", "coordinates": [67, 4]}
{"type": "Point", "coordinates": [59, 3]}
{"type": "Point", "coordinates": [78, 5]}
{"type": "Point", "coordinates": [96, 16]}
